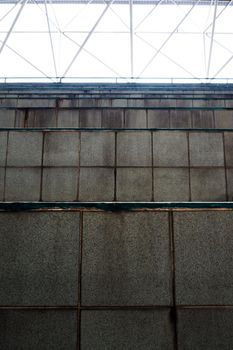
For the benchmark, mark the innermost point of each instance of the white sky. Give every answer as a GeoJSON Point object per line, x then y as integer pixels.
{"type": "Point", "coordinates": [29, 50]}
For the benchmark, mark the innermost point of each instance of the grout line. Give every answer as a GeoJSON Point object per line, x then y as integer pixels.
{"type": "Point", "coordinates": [108, 129]}
{"type": "Point", "coordinates": [115, 168]}
{"type": "Point", "coordinates": [152, 161]}
{"type": "Point", "coordinates": [173, 269]}
{"type": "Point", "coordinates": [189, 167]}
{"type": "Point", "coordinates": [79, 281]}
{"type": "Point", "coordinates": [225, 167]}
{"type": "Point", "coordinates": [5, 167]}
{"type": "Point", "coordinates": [78, 167]}
{"type": "Point", "coordinates": [115, 307]}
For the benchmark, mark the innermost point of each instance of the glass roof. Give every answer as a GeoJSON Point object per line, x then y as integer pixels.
{"type": "Point", "coordinates": [116, 41]}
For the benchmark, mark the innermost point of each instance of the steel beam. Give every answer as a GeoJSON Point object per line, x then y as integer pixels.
{"type": "Point", "coordinates": [87, 38]}
{"type": "Point", "coordinates": [212, 37]}
{"type": "Point", "coordinates": [168, 38]}
{"type": "Point", "coordinates": [12, 26]}
{"type": "Point", "coordinates": [131, 39]}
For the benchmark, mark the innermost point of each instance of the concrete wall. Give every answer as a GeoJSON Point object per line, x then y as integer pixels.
{"type": "Point", "coordinates": [187, 117]}
{"type": "Point", "coordinates": [116, 106]}
{"type": "Point", "coordinates": [124, 275]}
{"type": "Point", "coordinates": [95, 280]}
{"type": "Point", "coordinates": [116, 166]}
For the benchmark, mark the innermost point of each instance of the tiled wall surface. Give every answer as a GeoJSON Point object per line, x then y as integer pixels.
{"type": "Point", "coordinates": [87, 279]}
{"type": "Point", "coordinates": [111, 117]}
{"type": "Point", "coordinates": [137, 107]}
{"type": "Point", "coordinates": [107, 276]}
{"type": "Point", "coordinates": [116, 166]}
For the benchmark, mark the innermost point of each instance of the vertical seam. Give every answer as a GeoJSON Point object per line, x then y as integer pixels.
{"type": "Point", "coordinates": [5, 167]}
{"type": "Point", "coordinates": [173, 272]}
{"type": "Point", "coordinates": [225, 167]}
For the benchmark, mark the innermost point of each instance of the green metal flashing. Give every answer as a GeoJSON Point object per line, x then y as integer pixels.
{"type": "Point", "coordinates": [72, 87]}
{"type": "Point", "coordinates": [114, 206]}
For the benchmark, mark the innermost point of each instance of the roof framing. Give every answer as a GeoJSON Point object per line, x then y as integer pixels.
{"type": "Point", "coordinates": [123, 2]}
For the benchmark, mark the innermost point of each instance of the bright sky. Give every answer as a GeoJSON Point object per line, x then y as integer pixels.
{"type": "Point", "coordinates": [46, 41]}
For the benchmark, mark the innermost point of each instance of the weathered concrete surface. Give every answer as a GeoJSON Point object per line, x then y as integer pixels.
{"type": "Point", "coordinates": [203, 258]}
{"type": "Point", "coordinates": [38, 258]}
{"type": "Point", "coordinates": [38, 329]}
{"type": "Point", "coordinates": [161, 165]}
{"type": "Point", "coordinates": [123, 264]}
{"type": "Point", "coordinates": [127, 330]}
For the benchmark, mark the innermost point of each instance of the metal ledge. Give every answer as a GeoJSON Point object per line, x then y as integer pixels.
{"type": "Point", "coordinates": [113, 206]}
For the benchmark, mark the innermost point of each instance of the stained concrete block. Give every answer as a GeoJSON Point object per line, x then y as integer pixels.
{"type": "Point", "coordinates": [171, 184]}
{"type": "Point", "coordinates": [8, 102]}
{"type": "Point", "coordinates": [126, 329]}
{"type": "Point", "coordinates": [3, 148]}
{"type": "Point", "coordinates": [170, 148]}
{"type": "Point", "coordinates": [20, 118]}
{"type": "Point", "coordinates": [180, 119]}
{"type": "Point", "coordinates": [119, 102]}
{"type": "Point", "coordinates": [2, 176]}
{"type": "Point", "coordinates": [208, 184]}
{"type": "Point", "coordinates": [23, 184]}
{"type": "Point", "coordinates": [112, 118]}
{"type": "Point", "coordinates": [206, 149]}
{"type": "Point", "coordinates": [39, 258]}
{"type": "Point", "coordinates": [203, 258]}
{"type": "Point", "coordinates": [36, 102]}
{"type": "Point", "coordinates": [205, 329]}
{"type": "Point", "coordinates": [208, 102]}
{"type": "Point", "coordinates": [87, 102]}
{"type": "Point", "coordinates": [202, 119]}
{"type": "Point", "coordinates": [163, 102]}
{"type": "Point", "coordinates": [61, 148]}
{"type": "Point", "coordinates": [134, 149]}
{"type": "Point", "coordinates": [158, 118]}
{"type": "Point", "coordinates": [59, 184]}
{"type": "Point", "coordinates": [181, 102]}
{"type": "Point", "coordinates": [229, 103]}
{"type": "Point", "coordinates": [223, 119]}
{"type": "Point", "coordinates": [124, 264]}
{"type": "Point", "coordinates": [104, 102]}
{"type": "Point", "coordinates": [97, 149]}
{"type": "Point", "coordinates": [134, 184]}
{"type": "Point", "coordinates": [135, 118]}
{"type": "Point", "coordinates": [68, 118]}
{"type": "Point", "coordinates": [7, 118]}
{"type": "Point", "coordinates": [90, 118]}
{"type": "Point", "coordinates": [68, 102]}
{"type": "Point", "coordinates": [42, 118]}
{"type": "Point", "coordinates": [228, 141]}
{"type": "Point", "coordinates": [38, 329]}
{"type": "Point", "coordinates": [96, 184]}
{"type": "Point", "coordinates": [135, 102]}
{"type": "Point", "coordinates": [25, 148]}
